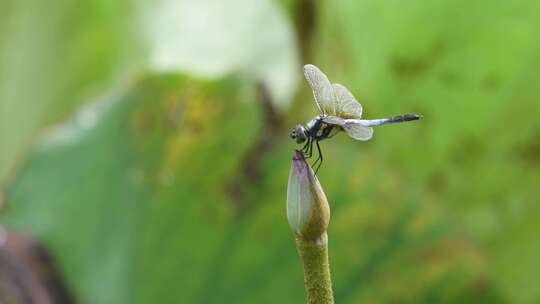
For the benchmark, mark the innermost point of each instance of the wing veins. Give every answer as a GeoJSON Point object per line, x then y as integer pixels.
{"type": "Point", "coordinates": [323, 90]}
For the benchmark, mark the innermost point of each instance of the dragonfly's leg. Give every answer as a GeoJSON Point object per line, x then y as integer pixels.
{"type": "Point", "coordinates": [304, 148]}
{"type": "Point", "coordinates": [309, 151]}
{"type": "Point", "coordinates": [315, 162]}
{"type": "Point", "coordinates": [320, 158]}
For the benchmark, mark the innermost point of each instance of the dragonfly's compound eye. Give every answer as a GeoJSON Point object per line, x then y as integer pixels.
{"type": "Point", "coordinates": [298, 134]}
{"type": "Point", "coordinates": [293, 134]}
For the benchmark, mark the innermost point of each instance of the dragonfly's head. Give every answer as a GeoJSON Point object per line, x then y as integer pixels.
{"type": "Point", "coordinates": [299, 134]}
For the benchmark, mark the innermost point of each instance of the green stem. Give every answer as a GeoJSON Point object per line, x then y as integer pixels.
{"type": "Point", "coordinates": [314, 254]}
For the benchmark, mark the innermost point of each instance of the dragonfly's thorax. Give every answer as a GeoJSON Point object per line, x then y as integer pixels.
{"type": "Point", "coordinates": [318, 129]}
{"type": "Point", "coordinates": [314, 123]}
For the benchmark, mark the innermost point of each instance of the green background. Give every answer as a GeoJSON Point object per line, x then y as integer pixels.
{"type": "Point", "coordinates": [168, 185]}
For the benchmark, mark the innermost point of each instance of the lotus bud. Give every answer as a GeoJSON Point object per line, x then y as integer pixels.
{"type": "Point", "coordinates": [308, 212]}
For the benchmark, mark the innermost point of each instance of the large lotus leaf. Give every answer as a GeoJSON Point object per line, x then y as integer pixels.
{"type": "Point", "coordinates": [133, 197]}
{"type": "Point", "coordinates": [471, 70]}
{"type": "Point", "coordinates": [97, 182]}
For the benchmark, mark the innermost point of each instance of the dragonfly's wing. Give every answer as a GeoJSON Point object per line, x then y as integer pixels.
{"type": "Point", "coordinates": [334, 120]}
{"type": "Point", "coordinates": [353, 127]}
{"type": "Point", "coordinates": [346, 104]}
{"type": "Point", "coordinates": [357, 131]}
{"type": "Point", "coordinates": [322, 89]}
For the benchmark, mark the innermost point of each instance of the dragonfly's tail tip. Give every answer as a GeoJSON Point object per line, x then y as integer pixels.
{"type": "Point", "coordinates": [409, 117]}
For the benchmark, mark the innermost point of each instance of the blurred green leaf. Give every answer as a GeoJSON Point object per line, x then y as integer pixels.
{"type": "Point", "coordinates": [131, 196]}
{"type": "Point", "coordinates": [53, 55]}
{"type": "Point", "coordinates": [102, 183]}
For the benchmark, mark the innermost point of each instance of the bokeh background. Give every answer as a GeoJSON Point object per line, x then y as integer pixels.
{"type": "Point", "coordinates": [145, 145]}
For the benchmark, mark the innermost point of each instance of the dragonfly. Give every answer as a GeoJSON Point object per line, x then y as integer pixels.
{"type": "Point", "coordinates": [338, 111]}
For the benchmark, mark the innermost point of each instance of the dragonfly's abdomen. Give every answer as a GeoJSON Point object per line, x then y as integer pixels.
{"type": "Point", "coordinates": [382, 121]}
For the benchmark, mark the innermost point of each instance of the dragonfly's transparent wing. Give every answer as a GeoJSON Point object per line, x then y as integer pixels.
{"type": "Point", "coordinates": [357, 131]}
{"type": "Point", "coordinates": [353, 127]}
{"type": "Point", "coordinates": [322, 89]}
{"type": "Point", "coordinates": [346, 104]}
{"type": "Point", "coordinates": [334, 120]}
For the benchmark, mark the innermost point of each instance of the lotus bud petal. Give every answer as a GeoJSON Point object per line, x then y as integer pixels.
{"type": "Point", "coordinates": [308, 212]}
